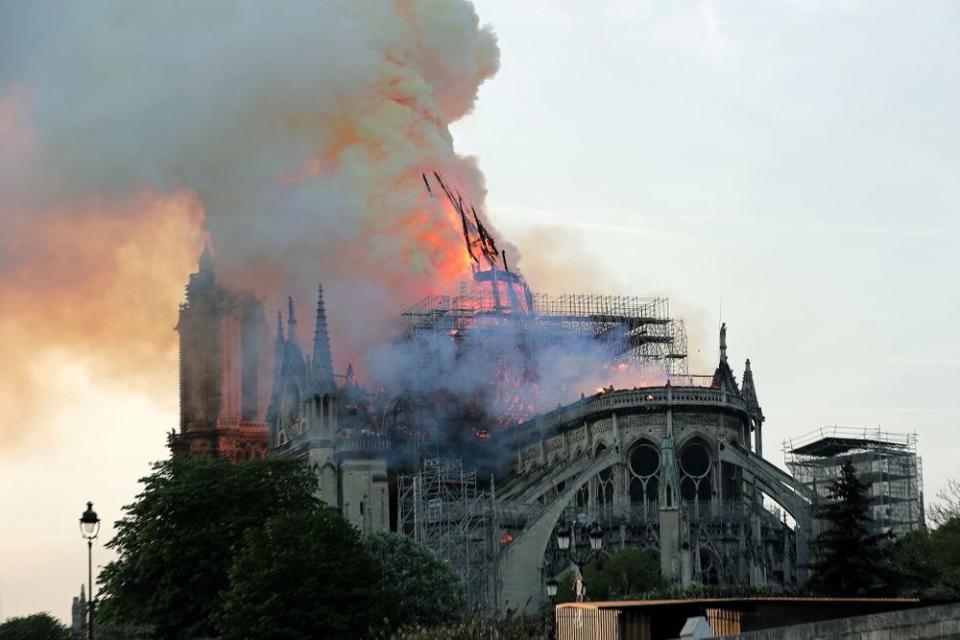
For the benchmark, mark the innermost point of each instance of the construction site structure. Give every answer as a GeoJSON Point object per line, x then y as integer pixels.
{"type": "Point", "coordinates": [509, 352]}
{"type": "Point", "coordinates": [886, 462]}
{"type": "Point", "coordinates": [440, 507]}
{"type": "Point", "coordinates": [632, 327]}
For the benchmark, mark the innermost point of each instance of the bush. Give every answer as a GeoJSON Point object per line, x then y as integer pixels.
{"type": "Point", "coordinates": [423, 590]}
{"type": "Point", "coordinates": [303, 576]}
{"type": "Point", "coordinates": [38, 626]}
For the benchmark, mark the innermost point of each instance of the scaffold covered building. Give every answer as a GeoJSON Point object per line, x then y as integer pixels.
{"type": "Point", "coordinates": [887, 463]}
{"type": "Point", "coordinates": [464, 452]}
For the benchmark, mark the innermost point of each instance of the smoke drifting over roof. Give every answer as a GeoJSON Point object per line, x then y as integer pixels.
{"type": "Point", "coordinates": [294, 134]}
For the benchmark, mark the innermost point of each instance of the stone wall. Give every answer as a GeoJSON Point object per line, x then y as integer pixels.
{"type": "Point", "coordinates": [925, 623]}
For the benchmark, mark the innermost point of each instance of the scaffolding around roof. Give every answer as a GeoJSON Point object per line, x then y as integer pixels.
{"type": "Point", "coordinates": [440, 507]}
{"type": "Point", "coordinates": [887, 462]}
{"type": "Point", "coordinates": [634, 328]}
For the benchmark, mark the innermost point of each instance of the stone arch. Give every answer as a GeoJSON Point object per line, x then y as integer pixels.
{"type": "Point", "coordinates": [520, 562]}
{"type": "Point", "coordinates": [711, 566]}
{"type": "Point", "coordinates": [790, 494]}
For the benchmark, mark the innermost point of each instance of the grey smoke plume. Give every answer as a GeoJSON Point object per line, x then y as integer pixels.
{"type": "Point", "coordinates": [301, 127]}
{"type": "Point", "coordinates": [293, 134]}
{"type": "Point", "coordinates": [515, 368]}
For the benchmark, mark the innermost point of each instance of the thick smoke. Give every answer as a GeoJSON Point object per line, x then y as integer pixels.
{"type": "Point", "coordinates": [292, 134]}
{"type": "Point", "coordinates": [516, 367]}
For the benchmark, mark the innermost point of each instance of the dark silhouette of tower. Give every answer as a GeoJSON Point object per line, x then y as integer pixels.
{"type": "Point", "coordinates": [224, 369]}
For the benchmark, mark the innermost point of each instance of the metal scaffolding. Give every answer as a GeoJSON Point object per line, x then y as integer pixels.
{"type": "Point", "coordinates": [441, 509]}
{"type": "Point", "coordinates": [634, 328]}
{"type": "Point", "coordinates": [886, 462]}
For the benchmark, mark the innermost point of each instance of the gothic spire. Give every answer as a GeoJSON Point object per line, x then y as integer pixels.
{"type": "Point", "coordinates": [291, 321]}
{"type": "Point", "coordinates": [206, 259]}
{"type": "Point", "coordinates": [322, 368]}
{"type": "Point", "coordinates": [748, 390]}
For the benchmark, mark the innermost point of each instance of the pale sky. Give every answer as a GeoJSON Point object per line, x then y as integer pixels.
{"type": "Point", "coordinates": [796, 162]}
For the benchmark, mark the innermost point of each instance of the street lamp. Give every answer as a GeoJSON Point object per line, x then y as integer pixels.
{"type": "Point", "coordinates": [566, 541]}
{"type": "Point", "coordinates": [563, 537]}
{"type": "Point", "coordinates": [89, 528]}
{"type": "Point", "coordinates": [596, 537]}
{"type": "Point", "coordinates": [551, 588]}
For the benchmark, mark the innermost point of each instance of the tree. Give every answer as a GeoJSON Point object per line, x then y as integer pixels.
{"type": "Point", "coordinates": [928, 562]}
{"type": "Point", "coordinates": [423, 589]}
{"type": "Point", "coordinates": [849, 560]}
{"type": "Point", "coordinates": [38, 626]}
{"type": "Point", "coordinates": [626, 573]}
{"type": "Point", "coordinates": [948, 505]}
{"type": "Point", "coordinates": [176, 542]}
{"type": "Point", "coordinates": [303, 576]}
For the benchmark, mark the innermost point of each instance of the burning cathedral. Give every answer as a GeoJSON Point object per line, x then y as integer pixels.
{"type": "Point", "coordinates": [462, 454]}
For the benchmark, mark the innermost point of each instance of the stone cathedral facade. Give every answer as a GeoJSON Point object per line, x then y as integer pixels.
{"type": "Point", "coordinates": [677, 468]}
{"type": "Point", "coordinates": [240, 399]}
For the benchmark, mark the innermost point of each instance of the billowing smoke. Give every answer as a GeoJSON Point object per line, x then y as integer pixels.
{"type": "Point", "coordinates": [293, 135]}
{"type": "Point", "coordinates": [511, 368]}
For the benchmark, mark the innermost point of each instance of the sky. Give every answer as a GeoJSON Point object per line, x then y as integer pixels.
{"type": "Point", "coordinates": [789, 168]}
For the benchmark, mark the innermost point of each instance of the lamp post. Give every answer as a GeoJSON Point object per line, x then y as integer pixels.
{"type": "Point", "coordinates": [89, 528]}
{"type": "Point", "coordinates": [567, 543]}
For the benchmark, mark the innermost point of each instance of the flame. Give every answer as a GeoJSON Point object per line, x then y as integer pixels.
{"type": "Point", "coordinates": [436, 240]}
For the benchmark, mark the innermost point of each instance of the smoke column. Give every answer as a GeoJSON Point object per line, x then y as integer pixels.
{"type": "Point", "coordinates": [292, 135]}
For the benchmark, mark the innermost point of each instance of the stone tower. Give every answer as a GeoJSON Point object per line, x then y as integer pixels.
{"type": "Point", "coordinates": [224, 369]}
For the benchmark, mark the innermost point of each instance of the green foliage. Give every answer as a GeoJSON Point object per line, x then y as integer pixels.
{"type": "Point", "coordinates": [303, 576]}
{"type": "Point", "coordinates": [849, 560]}
{"type": "Point", "coordinates": [422, 589]}
{"type": "Point", "coordinates": [512, 626]}
{"type": "Point", "coordinates": [38, 626]}
{"type": "Point", "coordinates": [627, 572]}
{"type": "Point", "coordinates": [176, 542]}
{"type": "Point", "coordinates": [947, 506]}
{"type": "Point", "coordinates": [928, 562]}
{"type": "Point", "coordinates": [119, 631]}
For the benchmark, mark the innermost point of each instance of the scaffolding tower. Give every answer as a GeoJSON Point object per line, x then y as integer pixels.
{"type": "Point", "coordinates": [442, 510]}
{"type": "Point", "coordinates": [886, 462]}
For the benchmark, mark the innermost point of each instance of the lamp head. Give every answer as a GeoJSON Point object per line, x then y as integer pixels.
{"type": "Point", "coordinates": [551, 588]}
{"type": "Point", "coordinates": [89, 523]}
{"type": "Point", "coordinates": [596, 537]}
{"type": "Point", "coordinates": [563, 537]}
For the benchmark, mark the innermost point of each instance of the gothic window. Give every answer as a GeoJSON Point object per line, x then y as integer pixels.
{"type": "Point", "coordinates": [643, 472]}
{"type": "Point", "coordinates": [710, 568]}
{"type": "Point", "coordinates": [583, 497]}
{"type": "Point", "coordinates": [695, 459]}
{"type": "Point", "coordinates": [644, 460]}
{"type": "Point", "coordinates": [696, 463]}
{"type": "Point", "coordinates": [604, 484]}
